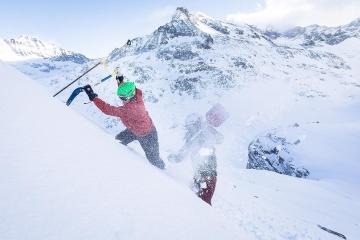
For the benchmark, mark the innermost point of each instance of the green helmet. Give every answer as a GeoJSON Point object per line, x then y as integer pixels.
{"type": "Point", "coordinates": [126, 90]}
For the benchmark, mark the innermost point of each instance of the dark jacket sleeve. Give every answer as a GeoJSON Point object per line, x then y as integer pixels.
{"type": "Point", "coordinates": [108, 109]}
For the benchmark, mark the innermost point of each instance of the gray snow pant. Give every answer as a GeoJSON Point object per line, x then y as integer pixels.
{"type": "Point", "coordinates": [149, 144]}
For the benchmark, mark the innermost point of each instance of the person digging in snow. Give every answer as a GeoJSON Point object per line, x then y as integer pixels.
{"type": "Point", "coordinates": [200, 140]}
{"type": "Point", "coordinates": [134, 116]}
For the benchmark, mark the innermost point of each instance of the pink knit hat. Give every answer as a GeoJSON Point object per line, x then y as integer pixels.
{"type": "Point", "coordinates": [217, 115]}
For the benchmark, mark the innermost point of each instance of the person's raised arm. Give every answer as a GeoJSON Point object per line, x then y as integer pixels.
{"type": "Point", "coordinates": [103, 106]}
{"type": "Point", "coordinates": [107, 108]}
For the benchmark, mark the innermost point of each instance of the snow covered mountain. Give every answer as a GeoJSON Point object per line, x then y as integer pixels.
{"type": "Point", "coordinates": [200, 55]}
{"type": "Point", "coordinates": [316, 35]}
{"type": "Point", "coordinates": [27, 47]}
{"type": "Point", "coordinates": [42, 61]}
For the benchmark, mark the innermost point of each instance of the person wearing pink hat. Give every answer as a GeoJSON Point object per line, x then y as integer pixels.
{"type": "Point", "coordinates": [200, 140]}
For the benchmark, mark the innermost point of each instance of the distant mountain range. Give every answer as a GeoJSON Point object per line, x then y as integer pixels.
{"type": "Point", "coordinates": [27, 47]}
{"type": "Point", "coordinates": [319, 35]}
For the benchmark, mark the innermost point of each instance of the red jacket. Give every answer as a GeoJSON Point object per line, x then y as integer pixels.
{"type": "Point", "coordinates": [132, 114]}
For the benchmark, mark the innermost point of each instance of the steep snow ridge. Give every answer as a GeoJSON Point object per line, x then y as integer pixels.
{"type": "Point", "coordinates": [27, 47]}
{"type": "Point", "coordinates": [63, 178]}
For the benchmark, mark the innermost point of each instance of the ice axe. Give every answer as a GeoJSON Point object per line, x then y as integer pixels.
{"type": "Point", "coordinates": [87, 71]}
{"type": "Point", "coordinates": [78, 90]}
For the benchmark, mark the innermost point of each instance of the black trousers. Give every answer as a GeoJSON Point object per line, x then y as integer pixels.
{"type": "Point", "coordinates": [149, 143]}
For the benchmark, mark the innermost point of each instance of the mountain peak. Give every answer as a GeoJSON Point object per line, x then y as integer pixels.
{"type": "Point", "coordinates": [181, 13]}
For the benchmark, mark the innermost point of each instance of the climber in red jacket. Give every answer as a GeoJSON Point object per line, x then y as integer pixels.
{"type": "Point", "coordinates": [134, 116]}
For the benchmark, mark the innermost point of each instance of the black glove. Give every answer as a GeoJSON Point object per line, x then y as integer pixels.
{"type": "Point", "coordinates": [119, 79]}
{"type": "Point", "coordinates": [90, 92]}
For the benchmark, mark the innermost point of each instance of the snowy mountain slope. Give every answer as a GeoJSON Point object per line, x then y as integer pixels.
{"type": "Point", "coordinates": [288, 208]}
{"type": "Point", "coordinates": [63, 178]}
{"type": "Point", "coordinates": [329, 135]}
{"type": "Point", "coordinates": [274, 206]}
{"type": "Point", "coordinates": [27, 47]}
{"type": "Point", "coordinates": [341, 41]}
{"type": "Point", "coordinates": [67, 193]}
{"type": "Point", "coordinates": [349, 49]}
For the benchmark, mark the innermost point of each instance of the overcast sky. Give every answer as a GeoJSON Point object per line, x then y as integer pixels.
{"type": "Point", "coordinates": [95, 27]}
